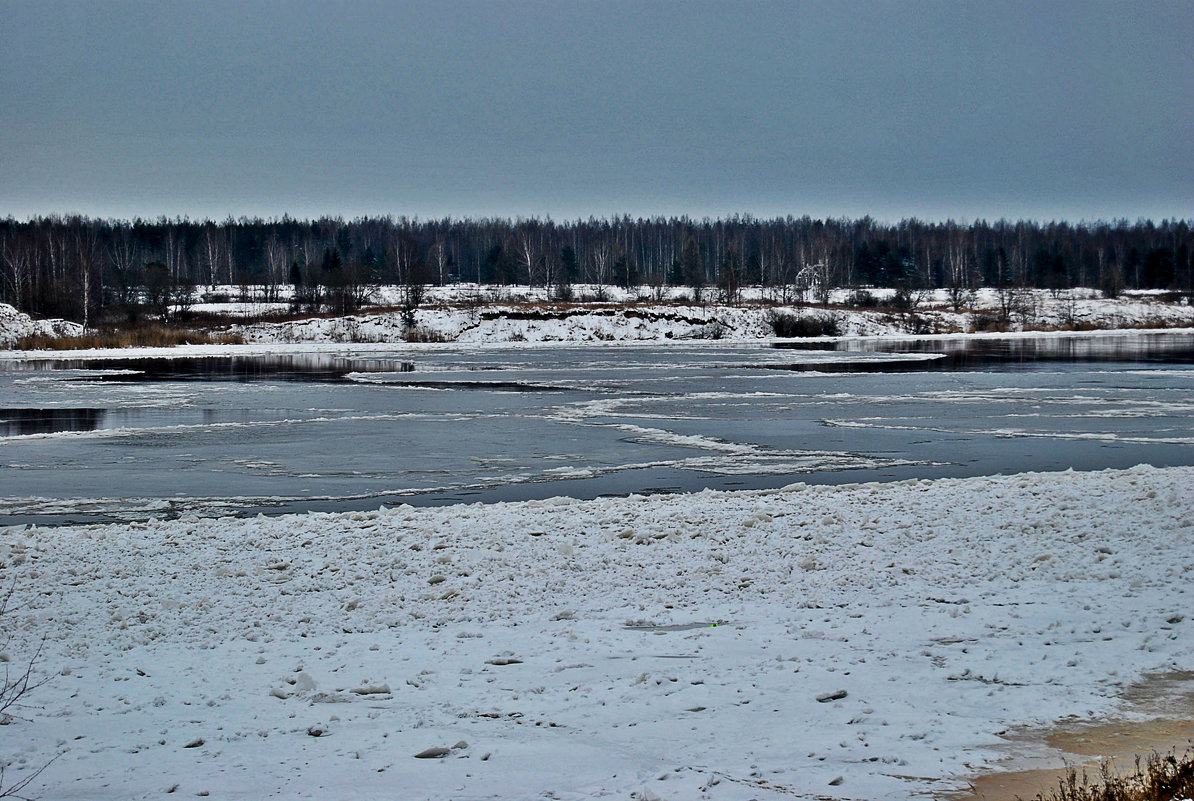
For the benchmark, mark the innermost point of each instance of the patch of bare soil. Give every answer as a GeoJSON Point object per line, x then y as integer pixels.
{"type": "Point", "coordinates": [1158, 716]}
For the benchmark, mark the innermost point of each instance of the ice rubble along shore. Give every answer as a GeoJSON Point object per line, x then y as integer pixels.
{"type": "Point", "coordinates": [663, 645]}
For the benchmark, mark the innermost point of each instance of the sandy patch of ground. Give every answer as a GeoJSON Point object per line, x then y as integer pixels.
{"type": "Point", "coordinates": [1159, 717]}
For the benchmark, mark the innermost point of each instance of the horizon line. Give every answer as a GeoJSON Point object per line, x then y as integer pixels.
{"type": "Point", "coordinates": [517, 219]}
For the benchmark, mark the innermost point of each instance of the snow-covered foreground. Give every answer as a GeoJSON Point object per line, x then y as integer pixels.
{"type": "Point", "coordinates": [673, 646]}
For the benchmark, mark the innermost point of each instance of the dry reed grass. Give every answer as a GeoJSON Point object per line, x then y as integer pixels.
{"type": "Point", "coordinates": [150, 336]}
{"type": "Point", "coordinates": [1157, 777]}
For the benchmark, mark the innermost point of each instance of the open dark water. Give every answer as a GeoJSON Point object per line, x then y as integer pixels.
{"type": "Point", "coordinates": [362, 426]}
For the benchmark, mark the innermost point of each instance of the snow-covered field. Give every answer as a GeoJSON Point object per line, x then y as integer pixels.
{"type": "Point", "coordinates": [865, 642]}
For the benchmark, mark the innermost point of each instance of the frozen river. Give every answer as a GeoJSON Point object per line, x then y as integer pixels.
{"type": "Point", "coordinates": [363, 425]}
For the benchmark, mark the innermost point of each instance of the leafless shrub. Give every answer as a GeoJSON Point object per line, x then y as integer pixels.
{"type": "Point", "coordinates": [790, 325]}
{"type": "Point", "coordinates": [421, 334]}
{"type": "Point", "coordinates": [1156, 778]}
{"type": "Point", "coordinates": [714, 329]}
{"type": "Point", "coordinates": [960, 296]}
{"type": "Point", "coordinates": [862, 299]}
{"type": "Point", "coordinates": [20, 679]}
{"type": "Point", "coordinates": [982, 321]}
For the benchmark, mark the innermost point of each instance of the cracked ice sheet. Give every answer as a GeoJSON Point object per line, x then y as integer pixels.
{"type": "Point", "coordinates": [948, 610]}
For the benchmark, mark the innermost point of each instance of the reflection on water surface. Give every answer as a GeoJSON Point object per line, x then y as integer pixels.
{"type": "Point", "coordinates": [970, 354]}
{"type": "Point", "coordinates": [26, 422]}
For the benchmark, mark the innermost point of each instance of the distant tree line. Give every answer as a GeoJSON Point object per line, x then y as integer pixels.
{"type": "Point", "coordinates": [91, 270]}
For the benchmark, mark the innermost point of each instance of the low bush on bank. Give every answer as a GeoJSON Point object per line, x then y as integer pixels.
{"type": "Point", "coordinates": [420, 334]}
{"type": "Point", "coordinates": [1156, 778]}
{"type": "Point", "coordinates": [984, 321]}
{"type": "Point", "coordinates": [151, 336]}
{"type": "Point", "coordinates": [862, 299]}
{"type": "Point", "coordinates": [792, 325]}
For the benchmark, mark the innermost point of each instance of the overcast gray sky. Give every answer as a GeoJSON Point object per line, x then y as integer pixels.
{"type": "Point", "coordinates": [1050, 110]}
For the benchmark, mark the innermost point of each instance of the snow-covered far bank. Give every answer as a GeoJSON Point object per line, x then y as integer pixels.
{"type": "Point", "coordinates": [864, 641]}
{"type": "Point", "coordinates": [16, 325]}
{"type": "Point", "coordinates": [508, 317]}
{"type": "Point", "coordinates": [468, 313]}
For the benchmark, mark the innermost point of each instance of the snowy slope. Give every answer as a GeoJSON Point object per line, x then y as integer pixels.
{"type": "Point", "coordinates": [14, 325]}
{"type": "Point", "coordinates": [567, 649]}
{"type": "Point", "coordinates": [503, 320]}
{"type": "Point", "coordinates": [468, 313]}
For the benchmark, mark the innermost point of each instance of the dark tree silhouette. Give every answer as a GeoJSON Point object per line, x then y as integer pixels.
{"type": "Point", "coordinates": [97, 270]}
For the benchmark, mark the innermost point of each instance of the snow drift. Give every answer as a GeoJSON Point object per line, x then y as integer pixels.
{"type": "Point", "coordinates": [15, 325]}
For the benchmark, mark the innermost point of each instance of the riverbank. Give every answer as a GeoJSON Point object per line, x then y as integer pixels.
{"type": "Point", "coordinates": [1156, 718]}
{"type": "Point", "coordinates": [532, 317]}
{"type": "Point", "coordinates": [468, 314]}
